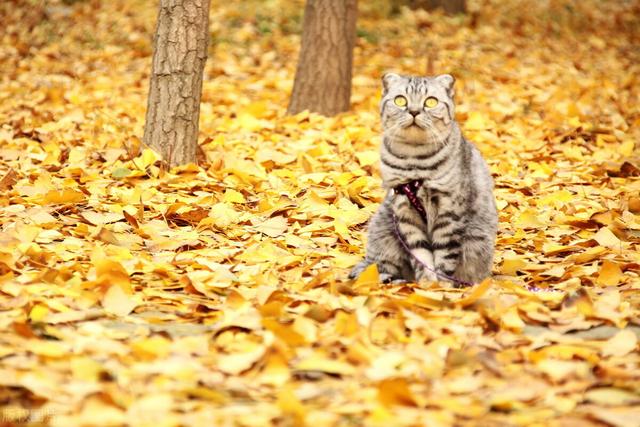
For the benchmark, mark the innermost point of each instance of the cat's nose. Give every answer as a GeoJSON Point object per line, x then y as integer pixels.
{"type": "Point", "coordinates": [414, 113]}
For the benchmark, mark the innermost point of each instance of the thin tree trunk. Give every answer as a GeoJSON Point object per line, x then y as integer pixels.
{"type": "Point", "coordinates": [323, 77]}
{"type": "Point", "coordinates": [450, 6]}
{"type": "Point", "coordinates": [179, 55]}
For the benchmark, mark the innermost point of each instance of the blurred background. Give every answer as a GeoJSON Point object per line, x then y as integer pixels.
{"type": "Point", "coordinates": [511, 58]}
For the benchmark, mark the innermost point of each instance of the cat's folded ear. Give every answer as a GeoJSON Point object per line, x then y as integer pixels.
{"type": "Point", "coordinates": [447, 81]}
{"type": "Point", "coordinates": [388, 80]}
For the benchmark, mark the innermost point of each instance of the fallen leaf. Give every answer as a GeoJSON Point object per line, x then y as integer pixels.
{"type": "Point", "coordinates": [606, 238]}
{"type": "Point", "coordinates": [610, 396]}
{"type": "Point", "coordinates": [118, 302]}
{"type": "Point", "coordinates": [291, 406]}
{"type": "Point", "coordinates": [395, 391]}
{"type": "Point", "coordinates": [477, 291]}
{"type": "Point", "coordinates": [610, 274]}
{"type": "Point", "coordinates": [273, 227]}
{"type": "Point", "coordinates": [622, 343]}
{"type": "Point", "coordinates": [8, 180]}
{"type": "Point", "coordinates": [63, 196]}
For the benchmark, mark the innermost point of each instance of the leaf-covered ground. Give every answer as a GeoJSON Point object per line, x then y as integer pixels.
{"type": "Point", "coordinates": [216, 295]}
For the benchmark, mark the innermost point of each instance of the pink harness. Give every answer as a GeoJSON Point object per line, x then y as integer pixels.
{"type": "Point", "coordinates": [410, 189]}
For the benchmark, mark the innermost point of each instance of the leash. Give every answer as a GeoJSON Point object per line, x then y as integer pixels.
{"type": "Point", "coordinates": [409, 189]}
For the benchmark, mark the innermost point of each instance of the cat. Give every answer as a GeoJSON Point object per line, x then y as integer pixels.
{"type": "Point", "coordinates": [438, 220]}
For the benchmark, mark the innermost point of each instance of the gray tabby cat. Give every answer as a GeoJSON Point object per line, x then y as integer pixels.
{"type": "Point", "coordinates": [451, 224]}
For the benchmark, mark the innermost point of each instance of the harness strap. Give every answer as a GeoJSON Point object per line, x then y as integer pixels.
{"type": "Point", "coordinates": [410, 189]}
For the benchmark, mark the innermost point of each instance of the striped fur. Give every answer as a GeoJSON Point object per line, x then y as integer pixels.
{"type": "Point", "coordinates": [459, 235]}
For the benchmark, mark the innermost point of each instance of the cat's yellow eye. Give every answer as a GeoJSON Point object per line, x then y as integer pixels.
{"type": "Point", "coordinates": [400, 101]}
{"type": "Point", "coordinates": [430, 102]}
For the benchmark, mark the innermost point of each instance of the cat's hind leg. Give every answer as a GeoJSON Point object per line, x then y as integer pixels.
{"type": "Point", "coordinates": [476, 259]}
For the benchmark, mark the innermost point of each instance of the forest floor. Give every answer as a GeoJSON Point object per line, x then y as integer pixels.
{"type": "Point", "coordinates": [216, 294]}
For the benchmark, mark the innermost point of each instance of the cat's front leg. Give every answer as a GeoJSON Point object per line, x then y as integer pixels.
{"type": "Point", "coordinates": [412, 231]}
{"type": "Point", "coordinates": [423, 265]}
{"type": "Point", "coordinates": [447, 233]}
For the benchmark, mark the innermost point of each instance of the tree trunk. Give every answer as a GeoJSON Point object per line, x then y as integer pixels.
{"type": "Point", "coordinates": [323, 77]}
{"type": "Point", "coordinates": [451, 7]}
{"type": "Point", "coordinates": [179, 55]}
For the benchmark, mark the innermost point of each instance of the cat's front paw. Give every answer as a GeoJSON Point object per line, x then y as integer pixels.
{"type": "Point", "coordinates": [391, 279]}
{"type": "Point", "coordinates": [425, 275]}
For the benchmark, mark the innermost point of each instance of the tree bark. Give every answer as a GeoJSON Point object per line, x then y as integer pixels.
{"type": "Point", "coordinates": [323, 78]}
{"type": "Point", "coordinates": [179, 56]}
{"type": "Point", "coordinates": [451, 7]}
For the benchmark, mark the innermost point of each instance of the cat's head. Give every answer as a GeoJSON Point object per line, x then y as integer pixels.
{"type": "Point", "coordinates": [417, 110]}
